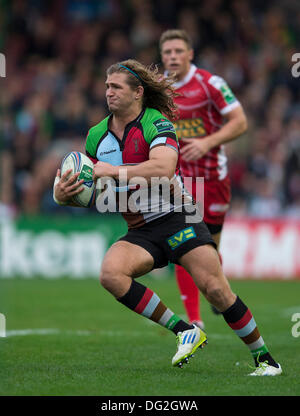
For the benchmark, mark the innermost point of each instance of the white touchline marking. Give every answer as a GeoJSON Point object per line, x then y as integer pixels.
{"type": "Point", "coordinates": [24, 332]}
{"type": "Point", "coordinates": [107, 333]}
{"type": "Point", "coordinates": [55, 331]}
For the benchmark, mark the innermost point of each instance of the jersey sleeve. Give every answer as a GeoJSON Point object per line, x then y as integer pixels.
{"type": "Point", "coordinates": [221, 94]}
{"type": "Point", "coordinates": [90, 147]}
{"type": "Point", "coordinates": [161, 132]}
{"type": "Point", "coordinates": [93, 138]}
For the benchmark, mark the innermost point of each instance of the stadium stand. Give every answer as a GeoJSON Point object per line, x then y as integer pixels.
{"type": "Point", "coordinates": [57, 53]}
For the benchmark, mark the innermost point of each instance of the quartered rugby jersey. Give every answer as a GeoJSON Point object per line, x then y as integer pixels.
{"type": "Point", "coordinates": [203, 100]}
{"type": "Point", "coordinates": [150, 129]}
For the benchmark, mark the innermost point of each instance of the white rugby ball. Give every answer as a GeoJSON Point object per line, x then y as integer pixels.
{"type": "Point", "coordinates": [79, 162]}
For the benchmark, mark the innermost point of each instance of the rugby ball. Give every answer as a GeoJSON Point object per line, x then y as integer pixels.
{"type": "Point", "coordinates": [79, 162]}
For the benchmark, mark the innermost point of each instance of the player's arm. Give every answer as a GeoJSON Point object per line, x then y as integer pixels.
{"type": "Point", "coordinates": [235, 125]}
{"type": "Point", "coordinates": [162, 163]}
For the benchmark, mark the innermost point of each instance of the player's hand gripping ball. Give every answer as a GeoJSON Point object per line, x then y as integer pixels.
{"type": "Point", "coordinates": [79, 162]}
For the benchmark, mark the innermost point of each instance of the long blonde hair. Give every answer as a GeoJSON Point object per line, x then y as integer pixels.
{"type": "Point", "coordinates": [158, 90]}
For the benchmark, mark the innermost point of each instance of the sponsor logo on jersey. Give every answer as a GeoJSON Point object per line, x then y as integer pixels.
{"type": "Point", "coordinates": [192, 93]}
{"type": "Point", "coordinates": [227, 94]}
{"type": "Point", "coordinates": [108, 152]}
{"type": "Point", "coordinates": [163, 125]}
{"type": "Point", "coordinates": [190, 128]}
{"type": "Point", "coordinates": [220, 84]}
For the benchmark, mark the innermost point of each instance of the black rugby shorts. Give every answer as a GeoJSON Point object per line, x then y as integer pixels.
{"type": "Point", "coordinates": [170, 237]}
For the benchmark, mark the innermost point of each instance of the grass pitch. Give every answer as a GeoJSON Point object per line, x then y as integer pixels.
{"type": "Point", "coordinates": [68, 337]}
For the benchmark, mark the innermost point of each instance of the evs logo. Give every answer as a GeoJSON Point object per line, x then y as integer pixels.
{"type": "Point", "coordinates": [181, 237]}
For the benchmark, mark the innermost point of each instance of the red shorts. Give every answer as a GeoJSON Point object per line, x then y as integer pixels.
{"type": "Point", "coordinates": [217, 195]}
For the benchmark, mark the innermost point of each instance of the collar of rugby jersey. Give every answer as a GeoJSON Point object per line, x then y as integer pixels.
{"type": "Point", "coordinates": [186, 79]}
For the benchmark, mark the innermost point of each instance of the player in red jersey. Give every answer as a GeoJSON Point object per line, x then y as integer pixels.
{"type": "Point", "coordinates": [209, 116]}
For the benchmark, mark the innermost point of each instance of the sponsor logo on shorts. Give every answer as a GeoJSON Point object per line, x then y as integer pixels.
{"type": "Point", "coordinates": [181, 237]}
{"type": "Point", "coordinates": [219, 207]}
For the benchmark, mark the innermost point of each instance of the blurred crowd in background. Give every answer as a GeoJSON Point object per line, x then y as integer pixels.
{"type": "Point", "coordinates": [56, 56]}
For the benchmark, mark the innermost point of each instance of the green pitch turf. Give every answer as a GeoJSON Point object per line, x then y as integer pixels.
{"type": "Point", "coordinates": [77, 340]}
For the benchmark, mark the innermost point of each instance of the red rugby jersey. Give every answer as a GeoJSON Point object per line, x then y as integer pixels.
{"type": "Point", "coordinates": [204, 100]}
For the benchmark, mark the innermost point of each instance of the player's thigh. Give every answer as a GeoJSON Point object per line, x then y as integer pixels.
{"type": "Point", "coordinates": [203, 264]}
{"type": "Point", "coordinates": [122, 262]}
{"type": "Point", "coordinates": [128, 258]}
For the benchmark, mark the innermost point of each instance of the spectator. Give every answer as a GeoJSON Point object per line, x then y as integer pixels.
{"type": "Point", "coordinates": [56, 55]}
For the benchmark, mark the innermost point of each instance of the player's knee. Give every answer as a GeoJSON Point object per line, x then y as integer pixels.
{"type": "Point", "coordinates": [107, 277]}
{"type": "Point", "coordinates": [110, 276]}
{"type": "Point", "coordinates": [219, 294]}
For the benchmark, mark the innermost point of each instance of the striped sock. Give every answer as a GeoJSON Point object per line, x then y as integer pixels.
{"type": "Point", "coordinates": [143, 301]}
{"type": "Point", "coordinates": [240, 319]}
